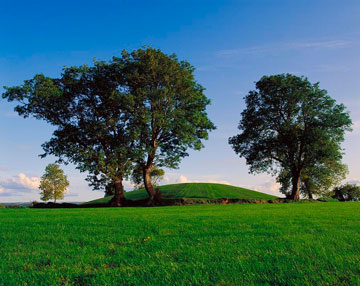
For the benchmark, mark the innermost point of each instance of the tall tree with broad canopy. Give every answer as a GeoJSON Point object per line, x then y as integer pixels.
{"type": "Point", "coordinates": [141, 109]}
{"type": "Point", "coordinates": [289, 125]}
{"type": "Point", "coordinates": [53, 183]}
{"type": "Point", "coordinates": [170, 108]}
{"type": "Point", "coordinates": [92, 113]}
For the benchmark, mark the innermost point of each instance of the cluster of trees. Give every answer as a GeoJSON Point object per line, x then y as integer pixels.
{"type": "Point", "coordinates": [129, 117]}
{"type": "Point", "coordinates": [138, 111]}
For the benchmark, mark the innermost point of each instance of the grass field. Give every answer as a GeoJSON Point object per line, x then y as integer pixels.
{"type": "Point", "coordinates": [196, 191]}
{"type": "Point", "coordinates": [248, 244]}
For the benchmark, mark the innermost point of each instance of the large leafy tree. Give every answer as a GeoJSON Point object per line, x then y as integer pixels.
{"type": "Point", "coordinates": [170, 106]}
{"type": "Point", "coordinates": [92, 114]}
{"type": "Point", "coordinates": [141, 109]}
{"type": "Point", "coordinates": [53, 183]}
{"type": "Point", "coordinates": [289, 125]}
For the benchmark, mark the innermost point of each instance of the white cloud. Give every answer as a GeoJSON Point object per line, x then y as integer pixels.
{"type": "Point", "coordinates": [173, 178]}
{"type": "Point", "coordinates": [270, 187]}
{"type": "Point", "coordinates": [18, 184]}
{"type": "Point", "coordinates": [28, 182]}
{"type": "Point", "coordinates": [183, 179]}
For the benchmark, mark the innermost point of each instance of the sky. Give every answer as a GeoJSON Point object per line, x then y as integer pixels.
{"type": "Point", "coordinates": [232, 44]}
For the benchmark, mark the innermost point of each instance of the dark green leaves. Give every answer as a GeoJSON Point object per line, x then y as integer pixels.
{"type": "Point", "coordinates": [289, 124]}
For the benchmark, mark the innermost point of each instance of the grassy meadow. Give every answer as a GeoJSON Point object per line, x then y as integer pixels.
{"type": "Point", "coordinates": [247, 244]}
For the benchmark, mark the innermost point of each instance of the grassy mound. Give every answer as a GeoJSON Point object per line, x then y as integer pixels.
{"type": "Point", "coordinates": [206, 191]}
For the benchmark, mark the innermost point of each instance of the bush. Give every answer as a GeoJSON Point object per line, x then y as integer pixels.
{"type": "Point", "coordinates": [2, 206]}
{"type": "Point", "coordinates": [33, 203]}
{"type": "Point", "coordinates": [15, 207]}
{"type": "Point", "coordinates": [327, 199]}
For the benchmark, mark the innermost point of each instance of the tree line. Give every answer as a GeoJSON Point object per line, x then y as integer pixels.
{"type": "Point", "coordinates": [143, 110]}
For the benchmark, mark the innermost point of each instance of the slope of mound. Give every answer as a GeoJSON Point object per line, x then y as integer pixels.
{"type": "Point", "coordinates": [206, 191]}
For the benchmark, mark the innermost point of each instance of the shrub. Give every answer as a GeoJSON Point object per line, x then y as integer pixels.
{"type": "Point", "coordinates": [327, 199]}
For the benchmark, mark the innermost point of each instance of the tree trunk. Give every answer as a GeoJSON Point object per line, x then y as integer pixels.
{"type": "Point", "coordinates": [147, 183]}
{"type": "Point", "coordinates": [295, 192]}
{"type": "Point", "coordinates": [119, 197]}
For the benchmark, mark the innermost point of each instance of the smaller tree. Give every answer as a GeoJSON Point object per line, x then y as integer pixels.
{"type": "Point", "coordinates": [53, 184]}
{"type": "Point", "coordinates": [156, 175]}
{"type": "Point", "coordinates": [347, 192]}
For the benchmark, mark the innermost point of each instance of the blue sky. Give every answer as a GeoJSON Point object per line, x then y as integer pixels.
{"type": "Point", "coordinates": [231, 44]}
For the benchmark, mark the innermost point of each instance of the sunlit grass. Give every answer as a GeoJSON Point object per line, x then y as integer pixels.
{"type": "Point", "coordinates": [248, 244]}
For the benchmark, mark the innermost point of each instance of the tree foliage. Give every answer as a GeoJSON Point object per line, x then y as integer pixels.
{"type": "Point", "coordinates": [170, 106]}
{"type": "Point", "coordinates": [141, 109]}
{"type": "Point", "coordinates": [347, 192]}
{"type": "Point", "coordinates": [53, 183]}
{"type": "Point", "coordinates": [92, 113]}
{"type": "Point", "coordinates": [290, 126]}
{"type": "Point", "coordinates": [316, 180]}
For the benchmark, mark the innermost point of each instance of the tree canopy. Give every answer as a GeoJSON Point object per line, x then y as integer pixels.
{"type": "Point", "coordinates": [289, 126]}
{"type": "Point", "coordinates": [53, 183]}
{"type": "Point", "coordinates": [170, 109]}
{"type": "Point", "coordinates": [92, 113]}
{"type": "Point", "coordinates": [141, 109]}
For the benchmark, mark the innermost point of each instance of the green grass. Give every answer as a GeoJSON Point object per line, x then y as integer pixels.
{"type": "Point", "coordinates": [248, 244]}
{"type": "Point", "coordinates": [196, 191]}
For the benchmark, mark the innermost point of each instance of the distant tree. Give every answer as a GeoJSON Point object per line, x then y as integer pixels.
{"type": "Point", "coordinates": [170, 106]}
{"type": "Point", "coordinates": [53, 183]}
{"type": "Point", "coordinates": [288, 126]}
{"type": "Point", "coordinates": [347, 192]}
{"type": "Point", "coordinates": [156, 175]}
{"type": "Point", "coordinates": [91, 109]}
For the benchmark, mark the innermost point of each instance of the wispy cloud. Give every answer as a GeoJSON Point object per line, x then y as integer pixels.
{"type": "Point", "coordinates": [284, 46]}
{"type": "Point", "coordinates": [354, 181]}
{"type": "Point", "coordinates": [319, 44]}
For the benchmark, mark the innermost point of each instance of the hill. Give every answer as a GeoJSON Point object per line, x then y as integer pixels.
{"type": "Point", "coordinates": [205, 191]}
